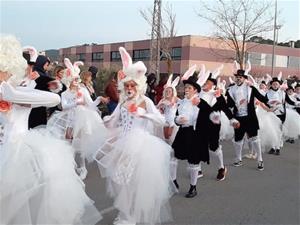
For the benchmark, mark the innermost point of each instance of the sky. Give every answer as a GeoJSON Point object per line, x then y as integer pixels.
{"type": "Point", "coordinates": [57, 24]}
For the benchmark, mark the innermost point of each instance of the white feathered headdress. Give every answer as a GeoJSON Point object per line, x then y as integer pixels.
{"type": "Point", "coordinates": [11, 59]}
{"type": "Point", "coordinates": [132, 71]}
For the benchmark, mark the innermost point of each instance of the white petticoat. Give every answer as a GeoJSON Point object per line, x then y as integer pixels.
{"type": "Point", "coordinates": [291, 125]}
{"type": "Point", "coordinates": [137, 168]}
{"type": "Point", "coordinates": [269, 129]}
{"type": "Point", "coordinates": [89, 132]}
{"type": "Point", "coordinates": [39, 185]}
{"type": "Point", "coordinates": [226, 131]}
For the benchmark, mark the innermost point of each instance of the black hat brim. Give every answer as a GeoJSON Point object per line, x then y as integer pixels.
{"type": "Point", "coordinates": [194, 84]}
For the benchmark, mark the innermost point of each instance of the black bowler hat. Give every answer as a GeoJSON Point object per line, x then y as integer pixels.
{"type": "Point", "coordinates": [192, 80]}
{"type": "Point", "coordinates": [241, 73]}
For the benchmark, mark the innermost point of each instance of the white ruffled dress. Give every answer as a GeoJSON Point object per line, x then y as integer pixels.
{"type": "Point", "coordinates": [136, 165]}
{"type": "Point", "coordinates": [38, 183]}
{"type": "Point", "coordinates": [88, 130]}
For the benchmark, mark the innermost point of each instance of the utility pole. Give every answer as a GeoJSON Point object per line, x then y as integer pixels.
{"type": "Point", "coordinates": [274, 39]}
{"type": "Point", "coordinates": [155, 39]}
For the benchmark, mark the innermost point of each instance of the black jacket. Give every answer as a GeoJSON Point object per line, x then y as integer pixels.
{"type": "Point", "coordinates": [252, 94]}
{"type": "Point", "coordinates": [38, 116]}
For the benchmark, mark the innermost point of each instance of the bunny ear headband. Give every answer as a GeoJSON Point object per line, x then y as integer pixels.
{"type": "Point", "coordinates": [172, 84]}
{"type": "Point", "coordinates": [130, 70]}
{"type": "Point", "coordinates": [71, 72]}
{"type": "Point", "coordinates": [32, 53]}
{"type": "Point", "coordinates": [277, 79]}
{"type": "Point", "coordinates": [188, 78]}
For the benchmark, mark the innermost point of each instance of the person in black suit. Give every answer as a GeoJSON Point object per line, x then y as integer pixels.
{"type": "Point", "coordinates": [241, 98]}
{"type": "Point", "coordinates": [38, 116]}
{"type": "Point", "coordinates": [209, 123]}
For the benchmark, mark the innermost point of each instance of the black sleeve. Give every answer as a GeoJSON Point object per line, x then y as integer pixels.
{"type": "Point", "coordinates": [288, 100]}
{"type": "Point", "coordinates": [223, 106]}
{"type": "Point", "coordinates": [176, 117]}
{"type": "Point", "coordinates": [230, 102]}
{"type": "Point", "coordinates": [259, 96]}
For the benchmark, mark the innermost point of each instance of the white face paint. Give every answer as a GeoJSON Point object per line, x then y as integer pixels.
{"type": "Point", "coordinates": [130, 89]}
{"type": "Point", "coordinates": [75, 82]}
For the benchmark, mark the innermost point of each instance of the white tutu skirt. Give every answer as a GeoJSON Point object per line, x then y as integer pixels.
{"type": "Point", "coordinates": [226, 131]}
{"type": "Point", "coordinates": [88, 130]}
{"type": "Point", "coordinates": [39, 184]}
{"type": "Point", "coordinates": [269, 129]}
{"type": "Point", "coordinates": [291, 125]}
{"type": "Point", "coordinates": [137, 170]}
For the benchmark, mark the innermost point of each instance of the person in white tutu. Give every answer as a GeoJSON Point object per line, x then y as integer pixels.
{"type": "Point", "coordinates": [135, 162]}
{"type": "Point", "coordinates": [38, 183]}
{"type": "Point", "coordinates": [79, 121]}
{"type": "Point", "coordinates": [168, 107]}
{"type": "Point", "coordinates": [277, 100]}
{"type": "Point", "coordinates": [291, 128]}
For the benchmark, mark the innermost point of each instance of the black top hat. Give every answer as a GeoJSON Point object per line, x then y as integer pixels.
{"type": "Point", "coordinates": [241, 73]}
{"type": "Point", "coordinates": [275, 79]}
{"type": "Point", "coordinates": [27, 58]}
{"type": "Point", "coordinates": [263, 82]}
{"type": "Point", "coordinates": [192, 80]}
{"type": "Point", "coordinates": [212, 79]}
{"type": "Point", "coordinates": [93, 70]}
{"type": "Point", "coordinates": [297, 85]}
{"type": "Point", "coordinates": [290, 88]}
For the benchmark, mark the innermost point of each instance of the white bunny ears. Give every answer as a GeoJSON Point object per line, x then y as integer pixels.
{"type": "Point", "coordinates": [237, 67]}
{"type": "Point", "coordinates": [32, 52]}
{"type": "Point", "coordinates": [132, 71]}
{"type": "Point", "coordinates": [71, 72]}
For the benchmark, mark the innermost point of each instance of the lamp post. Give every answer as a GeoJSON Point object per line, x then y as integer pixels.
{"type": "Point", "coordinates": [274, 39]}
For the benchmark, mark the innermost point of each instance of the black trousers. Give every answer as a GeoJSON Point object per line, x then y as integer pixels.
{"type": "Point", "coordinates": [246, 126]}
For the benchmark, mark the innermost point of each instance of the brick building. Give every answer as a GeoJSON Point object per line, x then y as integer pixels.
{"type": "Point", "coordinates": [188, 50]}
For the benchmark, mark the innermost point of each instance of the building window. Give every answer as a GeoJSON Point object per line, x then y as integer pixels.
{"type": "Point", "coordinates": [81, 57]}
{"type": "Point", "coordinates": [115, 56]}
{"type": "Point", "coordinates": [176, 53]}
{"type": "Point", "coordinates": [141, 55]}
{"type": "Point", "coordinates": [97, 56]}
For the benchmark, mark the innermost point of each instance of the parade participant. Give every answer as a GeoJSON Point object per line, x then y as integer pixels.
{"type": "Point", "coordinates": [241, 97]}
{"type": "Point", "coordinates": [184, 144]}
{"type": "Point", "coordinates": [135, 162]}
{"type": "Point", "coordinates": [38, 183]}
{"type": "Point", "coordinates": [291, 129]}
{"type": "Point", "coordinates": [277, 99]}
{"type": "Point", "coordinates": [79, 122]}
{"type": "Point", "coordinates": [168, 108]}
{"type": "Point", "coordinates": [209, 122]}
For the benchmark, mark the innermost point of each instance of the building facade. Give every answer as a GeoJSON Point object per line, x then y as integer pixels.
{"type": "Point", "coordinates": [188, 50]}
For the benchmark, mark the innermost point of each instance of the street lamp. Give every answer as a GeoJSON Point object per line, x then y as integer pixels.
{"type": "Point", "coordinates": [274, 38]}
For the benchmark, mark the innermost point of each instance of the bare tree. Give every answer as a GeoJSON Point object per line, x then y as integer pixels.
{"type": "Point", "coordinates": [167, 31]}
{"type": "Point", "coordinates": [236, 21]}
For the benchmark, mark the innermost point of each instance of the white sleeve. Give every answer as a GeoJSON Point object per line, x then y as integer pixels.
{"type": "Point", "coordinates": [153, 114]}
{"type": "Point", "coordinates": [65, 104]}
{"type": "Point", "coordinates": [35, 98]}
{"type": "Point", "coordinates": [88, 100]}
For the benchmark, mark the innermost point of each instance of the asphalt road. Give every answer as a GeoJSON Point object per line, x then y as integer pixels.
{"type": "Point", "coordinates": [246, 196]}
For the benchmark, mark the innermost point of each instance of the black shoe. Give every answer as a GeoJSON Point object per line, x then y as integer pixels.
{"type": "Point", "coordinates": [260, 165]}
{"type": "Point", "coordinates": [221, 174]}
{"type": "Point", "coordinates": [192, 192]}
{"type": "Point", "coordinates": [272, 151]}
{"type": "Point", "coordinates": [238, 163]}
{"type": "Point", "coordinates": [292, 141]}
{"type": "Point", "coordinates": [176, 184]}
{"type": "Point", "coordinates": [277, 152]}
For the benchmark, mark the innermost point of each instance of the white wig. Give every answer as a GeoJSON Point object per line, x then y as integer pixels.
{"type": "Point", "coordinates": [11, 59]}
